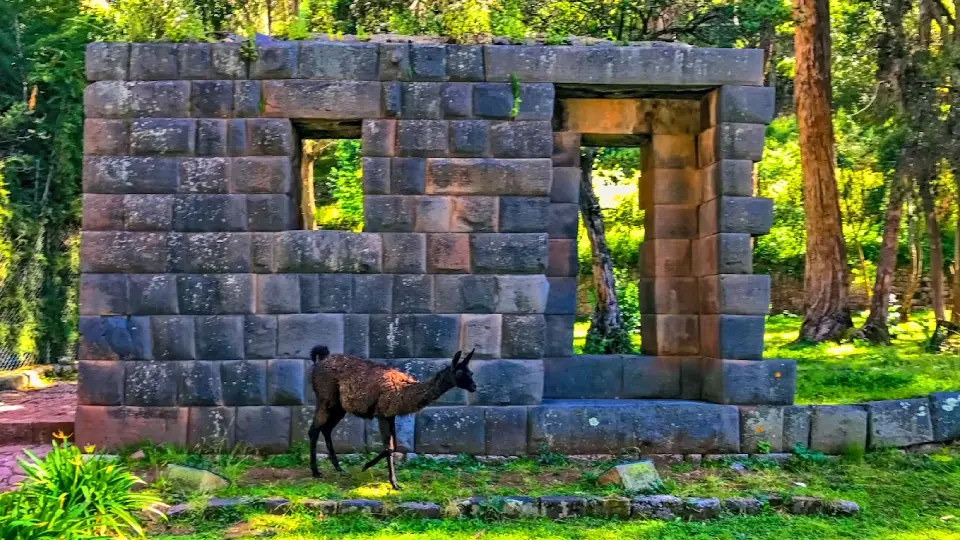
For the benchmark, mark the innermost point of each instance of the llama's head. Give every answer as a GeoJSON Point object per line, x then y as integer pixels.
{"type": "Point", "coordinates": [462, 374]}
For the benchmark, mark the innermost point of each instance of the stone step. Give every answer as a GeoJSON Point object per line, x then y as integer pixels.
{"type": "Point", "coordinates": [33, 431]}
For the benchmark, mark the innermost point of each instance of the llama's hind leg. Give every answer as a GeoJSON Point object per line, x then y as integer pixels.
{"type": "Point", "coordinates": [388, 431]}
{"type": "Point", "coordinates": [319, 419]}
{"type": "Point", "coordinates": [335, 415]}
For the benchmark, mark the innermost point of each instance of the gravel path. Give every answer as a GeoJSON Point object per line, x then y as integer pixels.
{"type": "Point", "coordinates": [10, 473]}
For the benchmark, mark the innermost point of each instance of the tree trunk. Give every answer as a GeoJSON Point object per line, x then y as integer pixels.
{"type": "Point", "coordinates": [934, 240]}
{"type": "Point", "coordinates": [607, 334]}
{"type": "Point", "coordinates": [874, 329]}
{"type": "Point", "coordinates": [916, 262]}
{"type": "Point", "coordinates": [307, 197]}
{"type": "Point", "coordinates": [827, 315]}
{"type": "Point", "coordinates": [955, 316]}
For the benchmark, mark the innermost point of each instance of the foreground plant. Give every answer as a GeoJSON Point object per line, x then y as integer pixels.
{"type": "Point", "coordinates": [90, 494]}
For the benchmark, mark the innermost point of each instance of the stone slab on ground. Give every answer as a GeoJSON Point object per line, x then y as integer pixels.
{"type": "Point", "coordinates": [636, 476]}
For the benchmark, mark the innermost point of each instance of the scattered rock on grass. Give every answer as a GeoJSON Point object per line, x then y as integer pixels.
{"type": "Point", "coordinates": [195, 479]}
{"type": "Point", "coordinates": [609, 507]}
{"type": "Point", "coordinates": [520, 507]}
{"type": "Point", "coordinates": [325, 508]}
{"type": "Point", "coordinates": [276, 506]}
{"type": "Point", "coordinates": [636, 476]}
{"type": "Point", "coordinates": [742, 506]}
{"type": "Point", "coordinates": [697, 509]}
{"type": "Point", "coordinates": [361, 506]}
{"type": "Point", "coordinates": [560, 507]}
{"type": "Point", "coordinates": [418, 509]}
{"type": "Point", "coordinates": [664, 507]}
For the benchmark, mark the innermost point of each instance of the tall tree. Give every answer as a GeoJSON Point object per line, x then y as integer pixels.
{"type": "Point", "coordinates": [827, 315]}
{"type": "Point", "coordinates": [934, 240]}
{"type": "Point", "coordinates": [607, 334]}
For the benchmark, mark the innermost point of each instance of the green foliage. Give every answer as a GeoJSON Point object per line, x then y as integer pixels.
{"type": "Point", "coordinates": [338, 186]}
{"type": "Point", "coordinates": [515, 88]}
{"type": "Point", "coordinates": [157, 20]}
{"type": "Point", "coordinates": [74, 496]}
{"type": "Point", "coordinates": [507, 19]}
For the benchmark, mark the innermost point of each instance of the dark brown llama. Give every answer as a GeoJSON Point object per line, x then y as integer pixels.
{"type": "Point", "coordinates": [348, 384]}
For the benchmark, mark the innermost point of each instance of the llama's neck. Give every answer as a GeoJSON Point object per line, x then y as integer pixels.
{"type": "Point", "coordinates": [419, 395]}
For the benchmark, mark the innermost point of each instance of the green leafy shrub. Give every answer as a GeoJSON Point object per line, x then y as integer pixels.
{"type": "Point", "coordinates": [90, 495]}
{"type": "Point", "coordinates": [157, 20]}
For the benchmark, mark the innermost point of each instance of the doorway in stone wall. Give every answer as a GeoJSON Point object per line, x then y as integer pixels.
{"type": "Point", "coordinates": [331, 184]}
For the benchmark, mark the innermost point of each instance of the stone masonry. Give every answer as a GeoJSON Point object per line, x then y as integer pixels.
{"type": "Point", "coordinates": [201, 297]}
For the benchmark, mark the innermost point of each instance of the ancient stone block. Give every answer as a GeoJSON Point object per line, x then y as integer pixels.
{"type": "Point", "coordinates": [451, 430]}
{"type": "Point", "coordinates": [228, 62]}
{"type": "Point", "coordinates": [172, 337]}
{"type": "Point", "coordinates": [556, 507]}
{"type": "Point", "coordinates": [837, 428]}
{"type": "Point", "coordinates": [562, 298]}
{"type": "Point", "coordinates": [153, 61]}
{"type": "Point", "coordinates": [210, 99]}
{"type": "Point", "coordinates": [260, 336]}
{"type": "Point", "coordinates": [576, 428]}
{"type": "Point", "coordinates": [609, 508]}
{"type": "Point", "coordinates": [521, 139]}
{"type": "Point", "coordinates": [524, 214]}
{"type": "Point", "coordinates": [436, 336]}
{"type": "Point", "coordinates": [730, 141]}
{"type": "Point", "coordinates": [270, 212]}
{"type": "Point", "coordinates": [168, 99]}
{"type": "Point", "coordinates": [338, 61]}
{"type": "Point", "coordinates": [433, 214]}
{"type": "Point", "coordinates": [219, 337]}
{"type": "Point", "coordinates": [668, 295]}
{"type": "Point", "coordinates": [326, 293]}
{"type": "Point", "coordinates": [212, 137]}
{"type": "Point", "coordinates": [761, 424]}
{"type": "Point", "coordinates": [448, 253]}
{"type": "Point", "coordinates": [116, 427]}
{"type": "Point", "coordinates": [473, 214]}
{"type": "Point", "coordinates": [735, 294]}
{"type": "Point", "coordinates": [465, 294]}
{"type": "Point", "coordinates": [195, 60]}
{"type": "Point", "coordinates": [209, 213]}
{"type": "Point", "coordinates": [404, 253]}
{"type": "Point", "coordinates": [456, 101]}
{"type": "Point", "coordinates": [744, 104]}
{"type": "Point", "coordinates": [407, 176]}
{"type": "Point", "coordinates": [517, 253]}
{"type": "Point", "coordinates": [665, 258]}
{"type": "Point", "coordinates": [376, 175]}
{"type": "Point", "coordinates": [496, 101]}
{"type": "Point", "coordinates": [103, 294]}
{"type": "Point", "coordinates": [285, 382]}
{"type": "Point", "coordinates": [298, 334]}
{"type": "Point", "coordinates": [672, 152]}
{"type": "Point", "coordinates": [669, 186]}
{"type": "Point", "coordinates": [691, 378]}
{"type": "Point", "coordinates": [309, 251]}
{"type": "Point", "coordinates": [215, 252]}
{"type": "Point", "coordinates": [199, 384]}
{"type": "Point", "coordinates": [244, 382]}
{"type": "Point", "coordinates": [945, 415]}
{"type": "Point", "coordinates": [421, 101]}
{"type": "Point", "coordinates": [481, 333]}
{"type": "Point", "coordinates": [726, 178]}
{"type": "Point", "coordinates": [732, 336]}
{"type": "Point", "coordinates": [321, 100]}
{"type": "Point", "coordinates": [378, 138]}
{"type": "Point", "coordinates": [469, 137]}
{"type": "Point", "coordinates": [150, 294]}
{"type": "Point", "coordinates": [749, 382]}
{"type": "Point", "coordinates": [521, 294]}
{"type": "Point", "coordinates": [150, 384]}
{"type": "Point", "coordinates": [392, 99]}
{"type": "Point", "coordinates": [646, 377]}
{"type": "Point", "coordinates": [278, 293]}
{"type": "Point", "coordinates": [395, 62]}
{"type": "Point", "coordinates": [204, 175]}
{"type": "Point", "coordinates": [148, 212]}
{"type": "Point", "coordinates": [361, 506]}
{"type": "Point", "coordinates": [422, 138]}
{"type": "Point", "coordinates": [465, 176]}
{"type": "Point", "coordinates": [559, 335]}
{"type": "Point", "coordinates": [412, 293]}
{"type": "Point", "coordinates": [725, 253]}
{"type": "Point", "coordinates": [130, 175]}
{"type": "Point", "coordinates": [524, 336]}
{"type": "Point", "coordinates": [670, 335]}
{"type": "Point", "coordinates": [372, 294]}
{"type": "Point", "coordinates": [429, 62]}
{"type": "Point", "coordinates": [211, 427]}
{"type": "Point", "coordinates": [566, 185]}
{"type": "Point", "coordinates": [215, 294]}
{"type": "Point", "coordinates": [277, 60]}
{"type": "Point", "coordinates": [236, 137]}
{"type": "Point", "coordinates": [900, 422]}
{"type": "Point", "coordinates": [102, 212]}
{"type": "Point", "coordinates": [389, 213]}
{"type": "Point", "coordinates": [356, 335]}
{"type": "Point", "coordinates": [269, 137]}
{"type": "Point", "coordinates": [107, 61]}
{"type": "Point", "coordinates": [104, 252]}
{"type": "Point", "coordinates": [747, 215]}
{"type": "Point", "coordinates": [100, 383]}
{"type": "Point", "coordinates": [164, 137]}
{"type": "Point", "coordinates": [796, 427]}
{"type": "Point", "coordinates": [362, 253]}
{"type": "Point", "coordinates": [562, 258]}
{"type": "Point", "coordinates": [391, 336]}
{"type": "Point", "coordinates": [105, 137]}
{"type": "Point", "coordinates": [700, 509]}
{"type": "Point", "coordinates": [671, 222]}
{"type": "Point", "coordinates": [583, 377]}
{"type": "Point", "coordinates": [464, 63]}
{"type": "Point", "coordinates": [507, 382]}
{"type": "Point", "coordinates": [264, 428]}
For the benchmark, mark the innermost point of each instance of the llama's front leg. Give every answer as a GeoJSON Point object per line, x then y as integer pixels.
{"type": "Point", "coordinates": [391, 447]}
{"type": "Point", "coordinates": [387, 433]}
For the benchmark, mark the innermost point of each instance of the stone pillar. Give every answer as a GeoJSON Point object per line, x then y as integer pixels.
{"type": "Point", "coordinates": [669, 321]}
{"type": "Point", "coordinates": [733, 301]}
{"type": "Point", "coordinates": [562, 265]}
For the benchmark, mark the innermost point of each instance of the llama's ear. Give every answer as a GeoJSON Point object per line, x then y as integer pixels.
{"type": "Point", "coordinates": [456, 358]}
{"type": "Point", "coordinates": [467, 359]}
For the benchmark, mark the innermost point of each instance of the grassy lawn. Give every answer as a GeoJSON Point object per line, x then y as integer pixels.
{"type": "Point", "coordinates": [902, 496]}
{"type": "Point", "coordinates": [856, 371]}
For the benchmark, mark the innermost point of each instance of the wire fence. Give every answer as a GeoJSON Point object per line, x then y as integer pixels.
{"type": "Point", "coordinates": [17, 285]}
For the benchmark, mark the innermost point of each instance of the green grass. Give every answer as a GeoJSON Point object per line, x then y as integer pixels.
{"type": "Point", "coordinates": [854, 372]}
{"type": "Point", "coordinates": [902, 496]}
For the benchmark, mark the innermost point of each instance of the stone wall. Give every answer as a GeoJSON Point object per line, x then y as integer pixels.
{"type": "Point", "coordinates": [200, 298]}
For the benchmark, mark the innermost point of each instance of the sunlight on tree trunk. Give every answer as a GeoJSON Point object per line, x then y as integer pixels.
{"type": "Point", "coordinates": [826, 314]}
{"type": "Point", "coordinates": [308, 210]}
{"type": "Point", "coordinates": [607, 334]}
{"type": "Point", "coordinates": [916, 259]}
{"type": "Point", "coordinates": [934, 241]}
{"type": "Point", "coordinates": [875, 329]}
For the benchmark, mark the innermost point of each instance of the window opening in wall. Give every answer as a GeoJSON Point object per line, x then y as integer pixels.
{"type": "Point", "coordinates": [332, 186]}
{"type": "Point", "coordinates": [608, 247]}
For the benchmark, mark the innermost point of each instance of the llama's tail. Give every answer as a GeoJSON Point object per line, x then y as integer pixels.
{"type": "Point", "coordinates": [319, 353]}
